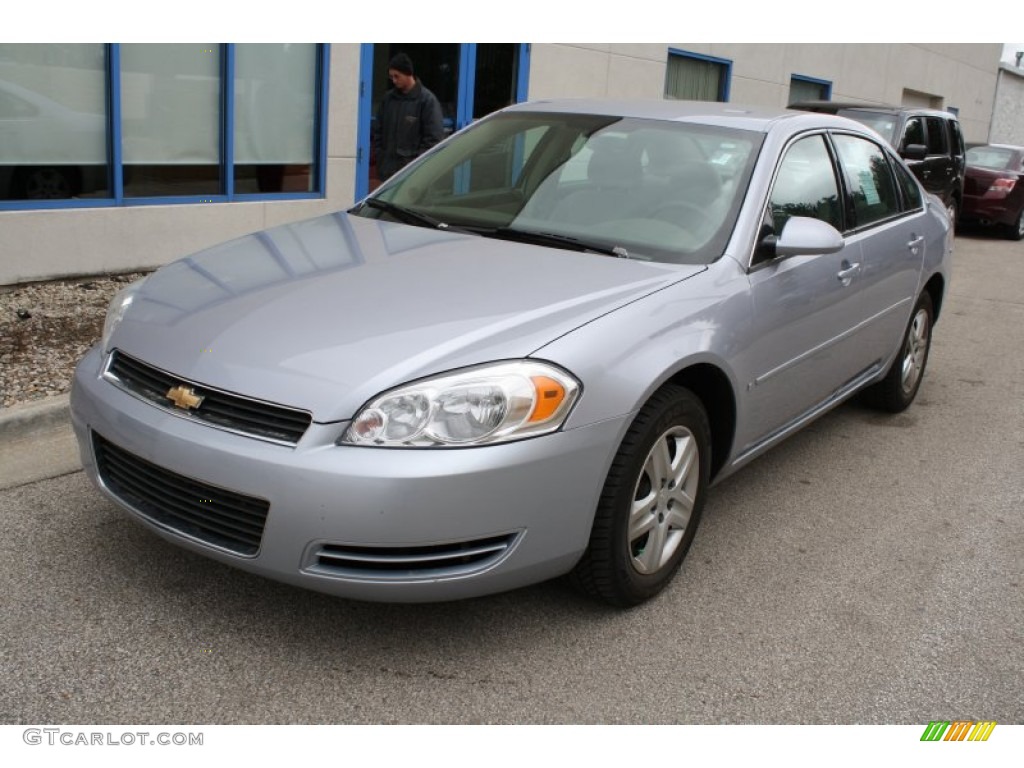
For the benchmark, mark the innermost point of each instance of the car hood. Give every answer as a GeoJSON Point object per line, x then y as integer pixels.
{"type": "Point", "coordinates": [324, 314]}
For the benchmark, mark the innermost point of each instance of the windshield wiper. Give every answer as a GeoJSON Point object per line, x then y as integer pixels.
{"type": "Point", "coordinates": [501, 233]}
{"type": "Point", "coordinates": [559, 241]}
{"type": "Point", "coordinates": [406, 214]}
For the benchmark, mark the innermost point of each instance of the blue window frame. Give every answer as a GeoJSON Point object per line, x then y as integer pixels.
{"type": "Point", "coordinates": [804, 88]}
{"type": "Point", "coordinates": [696, 76]}
{"type": "Point", "coordinates": [238, 163]}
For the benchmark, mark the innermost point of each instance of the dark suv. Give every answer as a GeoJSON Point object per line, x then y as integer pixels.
{"type": "Point", "coordinates": [928, 139]}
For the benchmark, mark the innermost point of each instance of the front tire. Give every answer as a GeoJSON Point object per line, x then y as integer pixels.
{"type": "Point", "coordinates": [898, 389]}
{"type": "Point", "coordinates": [651, 503]}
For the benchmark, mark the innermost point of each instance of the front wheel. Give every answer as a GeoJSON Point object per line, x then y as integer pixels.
{"type": "Point", "coordinates": [898, 389]}
{"type": "Point", "coordinates": [651, 502]}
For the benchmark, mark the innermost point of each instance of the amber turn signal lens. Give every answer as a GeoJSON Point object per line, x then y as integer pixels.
{"type": "Point", "coordinates": [550, 395]}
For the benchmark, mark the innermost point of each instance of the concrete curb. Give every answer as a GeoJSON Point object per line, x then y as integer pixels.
{"type": "Point", "coordinates": [27, 419]}
{"type": "Point", "coordinates": [37, 442]}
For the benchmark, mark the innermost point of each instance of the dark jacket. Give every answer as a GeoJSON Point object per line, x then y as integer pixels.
{"type": "Point", "coordinates": [408, 124]}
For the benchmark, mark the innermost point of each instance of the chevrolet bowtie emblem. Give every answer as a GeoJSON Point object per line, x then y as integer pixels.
{"type": "Point", "coordinates": [184, 397]}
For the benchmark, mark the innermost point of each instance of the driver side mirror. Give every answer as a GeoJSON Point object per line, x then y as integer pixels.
{"type": "Point", "coordinates": [801, 236]}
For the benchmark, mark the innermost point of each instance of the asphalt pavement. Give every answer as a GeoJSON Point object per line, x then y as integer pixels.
{"type": "Point", "coordinates": [868, 570]}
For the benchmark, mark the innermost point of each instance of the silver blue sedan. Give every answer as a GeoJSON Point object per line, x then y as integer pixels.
{"type": "Point", "coordinates": [530, 354]}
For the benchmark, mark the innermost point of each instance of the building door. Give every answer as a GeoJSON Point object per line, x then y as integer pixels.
{"type": "Point", "coordinates": [469, 79]}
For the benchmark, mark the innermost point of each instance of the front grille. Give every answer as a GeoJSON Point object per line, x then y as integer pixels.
{"type": "Point", "coordinates": [214, 515]}
{"type": "Point", "coordinates": [222, 409]}
{"type": "Point", "coordinates": [411, 562]}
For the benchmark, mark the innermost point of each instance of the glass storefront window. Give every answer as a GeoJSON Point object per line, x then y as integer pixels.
{"type": "Point", "coordinates": [170, 116]}
{"type": "Point", "coordinates": [143, 123]}
{"type": "Point", "coordinates": [53, 136]}
{"type": "Point", "coordinates": [275, 117]}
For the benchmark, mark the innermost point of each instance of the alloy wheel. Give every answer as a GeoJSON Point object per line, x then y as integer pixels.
{"type": "Point", "coordinates": [915, 351]}
{"type": "Point", "coordinates": [663, 500]}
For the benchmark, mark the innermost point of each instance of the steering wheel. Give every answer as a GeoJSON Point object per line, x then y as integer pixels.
{"type": "Point", "coordinates": [684, 214]}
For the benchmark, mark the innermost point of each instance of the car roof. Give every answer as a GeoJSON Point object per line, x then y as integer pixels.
{"type": "Point", "coordinates": [833, 106]}
{"type": "Point", "coordinates": [760, 119]}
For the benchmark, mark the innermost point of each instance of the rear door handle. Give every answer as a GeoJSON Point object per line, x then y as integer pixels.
{"type": "Point", "coordinates": [914, 243]}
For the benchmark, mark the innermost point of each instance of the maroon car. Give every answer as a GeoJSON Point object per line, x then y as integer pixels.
{"type": "Point", "coordinates": [994, 188]}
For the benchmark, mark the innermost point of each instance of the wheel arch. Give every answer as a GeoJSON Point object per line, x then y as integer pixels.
{"type": "Point", "coordinates": [936, 287]}
{"type": "Point", "coordinates": [713, 388]}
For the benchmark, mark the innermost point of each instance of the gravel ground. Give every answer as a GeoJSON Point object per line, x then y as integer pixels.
{"type": "Point", "coordinates": [45, 328]}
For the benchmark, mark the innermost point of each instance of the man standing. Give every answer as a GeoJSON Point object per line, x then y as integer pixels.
{"type": "Point", "coordinates": [409, 119]}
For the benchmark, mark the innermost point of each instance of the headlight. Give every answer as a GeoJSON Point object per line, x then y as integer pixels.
{"type": "Point", "coordinates": [476, 406]}
{"type": "Point", "coordinates": [118, 306]}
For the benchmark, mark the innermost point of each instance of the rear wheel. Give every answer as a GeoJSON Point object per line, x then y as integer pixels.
{"type": "Point", "coordinates": [898, 389]}
{"type": "Point", "coordinates": [1016, 231]}
{"type": "Point", "coordinates": [651, 503]}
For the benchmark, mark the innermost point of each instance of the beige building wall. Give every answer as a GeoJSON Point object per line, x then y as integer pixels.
{"type": "Point", "coordinates": [1008, 115]}
{"type": "Point", "coordinates": [41, 244]}
{"type": "Point", "coordinates": [962, 76]}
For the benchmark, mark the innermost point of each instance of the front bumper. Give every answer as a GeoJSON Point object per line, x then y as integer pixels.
{"type": "Point", "coordinates": [403, 525]}
{"type": "Point", "coordinates": [993, 210]}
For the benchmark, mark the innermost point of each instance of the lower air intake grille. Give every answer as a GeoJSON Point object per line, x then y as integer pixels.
{"type": "Point", "coordinates": [411, 562]}
{"type": "Point", "coordinates": [213, 515]}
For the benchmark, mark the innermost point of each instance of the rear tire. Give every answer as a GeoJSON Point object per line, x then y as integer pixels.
{"type": "Point", "coordinates": [1016, 231]}
{"type": "Point", "coordinates": [651, 503]}
{"type": "Point", "coordinates": [898, 389]}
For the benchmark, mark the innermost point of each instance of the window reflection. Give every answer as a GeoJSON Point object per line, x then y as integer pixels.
{"type": "Point", "coordinates": [806, 186]}
{"type": "Point", "coordinates": [52, 122]}
{"type": "Point", "coordinates": [275, 114]}
{"type": "Point", "coordinates": [170, 114]}
{"type": "Point", "coordinates": [869, 178]}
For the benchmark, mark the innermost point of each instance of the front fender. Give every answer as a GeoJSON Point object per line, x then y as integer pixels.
{"type": "Point", "coordinates": [625, 356]}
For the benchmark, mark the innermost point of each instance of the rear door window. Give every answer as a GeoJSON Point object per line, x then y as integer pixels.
{"type": "Point", "coordinates": [910, 191]}
{"type": "Point", "coordinates": [869, 178]}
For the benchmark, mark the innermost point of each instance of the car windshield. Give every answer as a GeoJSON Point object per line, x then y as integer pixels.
{"type": "Point", "coordinates": [993, 158]}
{"type": "Point", "coordinates": [657, 190]}
{"type": "Point", "coordinates": [880, 122]}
